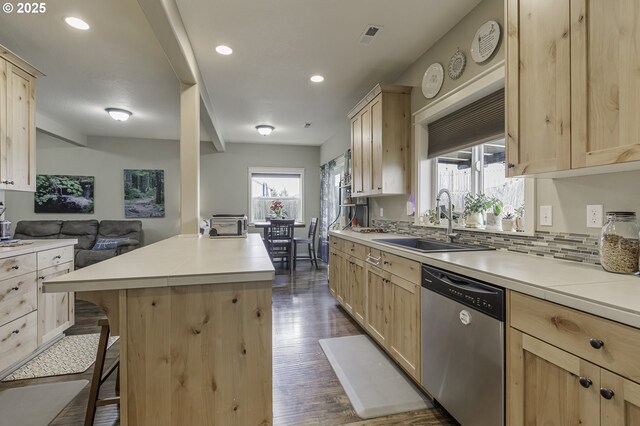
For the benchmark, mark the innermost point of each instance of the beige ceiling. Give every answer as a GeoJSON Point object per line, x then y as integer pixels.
{"type": "Point", "coordinates": [278, 45]}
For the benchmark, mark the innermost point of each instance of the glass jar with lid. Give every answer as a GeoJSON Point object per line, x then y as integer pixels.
{"type": "Point", "coordinates": [619, 243]}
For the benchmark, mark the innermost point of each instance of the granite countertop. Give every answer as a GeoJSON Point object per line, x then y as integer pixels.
{"type": "Point", "coordinates": [176, 261]}
{"type": "Point", "coordinates": [577, 285]}
{"type": "Point", "coordinates": [33, 246]}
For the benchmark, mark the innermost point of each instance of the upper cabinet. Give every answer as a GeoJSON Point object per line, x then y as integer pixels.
{"type": "Point", "coordinates": [572, 84]}
{"type": "Point", "coordinates": [380, 134]}
{"type": "Point", "coordinates": [17, 123]}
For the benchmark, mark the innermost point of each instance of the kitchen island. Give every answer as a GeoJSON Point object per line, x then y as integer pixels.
{"type": "Point", "coordinates": [194, 317]}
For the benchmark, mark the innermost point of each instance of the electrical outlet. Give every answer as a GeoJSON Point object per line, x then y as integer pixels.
{"type": "Point", "coordinates": [381, 212]}
{"type": "Point", "coordinates": [546, 216]}
{"type": "Point", "coordinates": [594, 216]}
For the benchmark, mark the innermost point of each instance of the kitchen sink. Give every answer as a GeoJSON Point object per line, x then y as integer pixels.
{"type": "Point", "coordinates": [425, 245]}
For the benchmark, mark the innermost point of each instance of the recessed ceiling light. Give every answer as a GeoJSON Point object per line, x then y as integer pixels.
{"type": "Point", "coordinates": [224, 50]}
{"type": "Point", "coordinates": [317, 78]}
{"type": "Point", "coordinates": [265, 129]}
{"type": "Point", "coordinates": [119, 114]}
{"type": "Point", "coordinates": [76, 23]}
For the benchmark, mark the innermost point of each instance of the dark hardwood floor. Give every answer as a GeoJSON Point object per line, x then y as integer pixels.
{"type": "Point", "coordinates": [305, 389]}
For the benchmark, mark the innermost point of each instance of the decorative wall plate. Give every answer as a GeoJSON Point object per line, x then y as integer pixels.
{"type": "Point", "coordinates": [432, 80]}
{"type": "Point", "coordinates": [456, 65]}
{"type": "Point", "coordinates": [486, 41]}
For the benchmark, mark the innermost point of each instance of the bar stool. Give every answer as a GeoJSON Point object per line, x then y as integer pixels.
{"type": "Point", "coordinates": [99, 378]}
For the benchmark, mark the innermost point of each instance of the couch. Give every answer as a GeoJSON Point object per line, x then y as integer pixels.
{"type": "Point", "coordinates": [87, 232]}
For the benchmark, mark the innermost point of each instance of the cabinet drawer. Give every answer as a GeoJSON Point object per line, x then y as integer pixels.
{"type": "Point", "coordinates": [336, 243]}
{"type": "Point", "coordinates": [404, 268]}
{"type": "Point", "coordinates": [354, 249]}
{"type": "Point", "coordinates": [573, 331]}
{"type": "Point", "coordinates": [18, 339]}
{"type": "Point", "coordinates": [54, 257]}
{"type": "Point", "coordinates": [373, 256]}
{"type": "Point", "coordinates": [18, 296]}
{"type": "Point", "coordinates": [17, 265]}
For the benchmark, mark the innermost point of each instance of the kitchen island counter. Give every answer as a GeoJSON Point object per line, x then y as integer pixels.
{"type": "Point", "coordinates": [194, 317]}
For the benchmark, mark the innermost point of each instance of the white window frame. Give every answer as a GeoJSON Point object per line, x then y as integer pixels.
{"type": "Point", "coordinates": [275, 171]}
{"type": "Point", "coordinates": [425, 173]}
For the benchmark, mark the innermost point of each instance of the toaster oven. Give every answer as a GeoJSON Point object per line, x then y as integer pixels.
{"type": "Point", "coordinates": [228, 225]}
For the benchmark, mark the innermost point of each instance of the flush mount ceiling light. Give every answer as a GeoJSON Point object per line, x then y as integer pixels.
{"type": "Point", "coordinates": [317, 78]}
{"type": "Point", "coordinates": [76, 23]}
{"type": "Point", "coordinates": [119, 114]}
{"type": "Point", "coordinates": [265, 129]}
{"type": "Point", "coordinates": [224, 50]}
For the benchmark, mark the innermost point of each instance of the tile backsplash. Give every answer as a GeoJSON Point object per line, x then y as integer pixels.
{"type": "Point", "coordinates": [575, 247]}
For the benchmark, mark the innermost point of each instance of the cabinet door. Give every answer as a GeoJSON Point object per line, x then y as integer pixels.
{"type": "Point", "coordinates": [344, 295]}
{"type": "Point", "coordinates": [538, 86]}
{"type": "Point", "coordinates": [356, 155]}
{"type": "Point", "coordinates": [333, 275]}
{"type": "Point", "coordinates": [55, 310]}
{"type": "Point", "coordinates": [404, 320]}
{"type": "Point", "coordinates": [17, 167]}
{"type": "Point", "coordinates": [376, 145]}
{"type": "Point", "coordinates": [365, 117]}
{"type": "Point", "coordinates": [356, 281]}
{"type": "Point", "coordinates": [623, 409]}
{"type": "Point", "coordinates": [604, 81]}
{"type": "Point", "coordinates": [376, 305]}
{"type": "Point", "coordinates": [3, 117]}
{"type": "Point", "coordinates": [544, 385]}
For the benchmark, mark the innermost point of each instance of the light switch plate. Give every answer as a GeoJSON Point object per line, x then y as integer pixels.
{"type": "Point", "coordinates": [381, 212]}
{"type": "Point", "coordinates": [546, 216]}
{"type": "Point", "coordinates": [595, 212]}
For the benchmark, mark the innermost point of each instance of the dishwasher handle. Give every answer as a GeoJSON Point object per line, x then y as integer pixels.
{"type": "Point", "coordinates": [467, 285]}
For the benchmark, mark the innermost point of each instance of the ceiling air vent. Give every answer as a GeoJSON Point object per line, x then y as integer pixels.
{"type": "Point", "coordinates": [307, 125]}
{"type": "Point", "coordinates": [369, 33]}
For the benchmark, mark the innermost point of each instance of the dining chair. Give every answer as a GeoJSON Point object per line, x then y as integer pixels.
{"type": "Point", "coordinates": [280, 241]}
{"type": "Point", "coordinates": [310, 241]}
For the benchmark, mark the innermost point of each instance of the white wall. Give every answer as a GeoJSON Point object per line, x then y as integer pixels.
{"type": "Point", "coordinates": [105, 158]}
{"type": "Point", "coordinates": [224, 180]}
{"type": "Point", "coordinates": [338, 144]}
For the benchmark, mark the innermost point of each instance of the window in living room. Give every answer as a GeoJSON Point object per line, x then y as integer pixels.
{"type": "Point", "coordinates": [270, 185]}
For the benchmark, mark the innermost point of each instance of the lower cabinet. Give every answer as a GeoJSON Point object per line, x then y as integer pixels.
{"type": "Point", "coordinates": [357, 292]}
{"type": "Point", "coordinates": [377, 295]}
{"type": "Point", "coordinates": [55, 310]}
{"type": "Point", "coordinates": [333, 272]}
{"type": "Point", "coordinates": [551, 385]}
{"type": "Point", "coordinates": [404, 322]}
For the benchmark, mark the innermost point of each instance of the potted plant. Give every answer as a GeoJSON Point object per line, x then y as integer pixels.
{"type": "Point", "coordinates": [508, 222]}
{"type": "Point", "coordinates": [474, 208]}
{"type": "Point", "coordinates": [519, 221]}
{"type": "Point", "coordinates": [277, 207]}
{"type": "Point", "coordinates": [493, 215]}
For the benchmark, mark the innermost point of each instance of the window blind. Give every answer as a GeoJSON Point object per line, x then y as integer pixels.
{"type": "Point", "coordinates": [478, 122]}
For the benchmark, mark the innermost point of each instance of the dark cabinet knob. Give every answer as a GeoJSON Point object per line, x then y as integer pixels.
{"type": "Point", "coordinates": [16, 331]}
{"type": "Point", "coordinates": [510, 165]}
{"type": "Point", "coordinates": [596, 343]}
{"type": "Point", "coordinates": [57, 257]}
{"type": "Point", "coordinates": [606, 393]}
{"type": "Point", "coordinates": [16, 267]}
{"type": "Point", "coordinates": [15, 288]}
{"type": "Point", "coordinates": [585, 382]}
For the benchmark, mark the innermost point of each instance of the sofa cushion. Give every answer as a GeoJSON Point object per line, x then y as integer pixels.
{"type": "Point", "coordinates": [89, 257]}
{"type": "Point", "coordinates": [37, 229]}
{"type": "Point", "coordinates": [131, 229]}
{"type": "Point", "coordinates": [85, 231]}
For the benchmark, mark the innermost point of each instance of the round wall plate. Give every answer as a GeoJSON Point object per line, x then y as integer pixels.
{"type": "Point", "coordinates": [486, 41]}
{"type": "Point", "coordinates": [456, 65]}
{"type": "Point", "coordinates": [432, 80]}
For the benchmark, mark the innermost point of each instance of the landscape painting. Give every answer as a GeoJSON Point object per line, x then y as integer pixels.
{"type": "Point", "coordinates": [64, 194]}
{"type": "Point", "coordinates": [143, 193]}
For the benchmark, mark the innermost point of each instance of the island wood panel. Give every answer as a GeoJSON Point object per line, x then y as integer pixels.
{"type": "Point", "coordinates": [198, 355]}
{"type": "Point", "coordinates": [109, 302]}
{"type": "Point", "coordinates": [55, 310]}
{"type": "Point", "coordinates": [604, 81]}
{"type": "Point", "coordinates": [18, 339]}
{"type": "Point", "coordinates": [18, 296]}
{"type": "Point", "coordinates": [538, 72]}
{"type": "Point", "coordinates": [17, 265]}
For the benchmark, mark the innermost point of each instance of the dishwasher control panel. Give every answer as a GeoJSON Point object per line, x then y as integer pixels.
{"type": "Point", "coordinates": [481, 296]}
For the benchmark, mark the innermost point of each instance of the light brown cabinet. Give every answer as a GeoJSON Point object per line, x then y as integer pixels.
{"type": "Point", "coordinates": [381, 291]}
{"type": "Point", "coordinates": [55, 310]}
{"type": "Point", "coordinates": [380, 135]}
{"type": "Point", "coordinates": [17, 123]}
{"type": "Point", "coordinates": [571, 84]}
{"type": "Point", "coordinates": [559, 367]}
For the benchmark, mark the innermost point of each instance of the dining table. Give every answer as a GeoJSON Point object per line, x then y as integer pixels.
{"type": "Point", "coordinates": [266, 224]}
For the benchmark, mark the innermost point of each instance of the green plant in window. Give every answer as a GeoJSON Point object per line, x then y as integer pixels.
{"type": "Point", "coordinates": [496, 206]}
{"type": "Point", "coordinates": [478, 203]}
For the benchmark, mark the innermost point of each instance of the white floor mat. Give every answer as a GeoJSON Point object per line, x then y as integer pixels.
{"type": "Point", "coordinates": [374, 384]}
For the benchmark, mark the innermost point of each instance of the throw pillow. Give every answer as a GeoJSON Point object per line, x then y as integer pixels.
{"type": "Point", "coordinates": [108, 243]}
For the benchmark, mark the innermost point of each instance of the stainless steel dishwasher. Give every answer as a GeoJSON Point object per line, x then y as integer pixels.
{"type": "Point", "coordinates": [463, 346]}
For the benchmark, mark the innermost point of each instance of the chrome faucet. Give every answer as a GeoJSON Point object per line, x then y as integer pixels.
{"type": "Point", "coordinates": [450, 234]}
